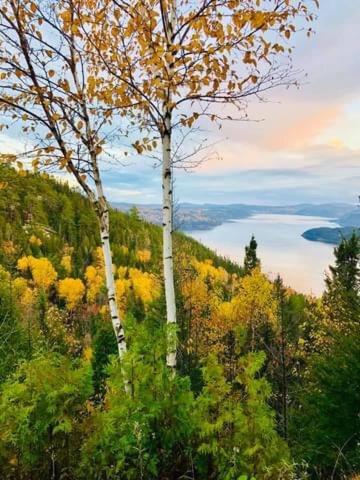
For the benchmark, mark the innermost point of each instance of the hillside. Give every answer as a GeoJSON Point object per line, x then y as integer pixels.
{"type": "Point", "coordinates": [38, 205]}
{"type": "Point", "coordinates": [72, 407]}
{"type": "Point", "coordinates": [351, 219]}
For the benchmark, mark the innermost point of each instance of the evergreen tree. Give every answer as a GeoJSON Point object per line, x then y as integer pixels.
{"type": "Point", "coordinates": [325, 430]}
{"type": "Point", "coordinates": [42, 407]}
{"type": "Point", "coordinates": [251, 260]}
{"type": "Point", "coordinates": [342, 295]}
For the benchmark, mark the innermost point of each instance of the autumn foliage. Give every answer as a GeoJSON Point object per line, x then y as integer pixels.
{"type": "Point", "coordinates": [257, 360]}
{"type": "Point", "coordinates": [129, 351]}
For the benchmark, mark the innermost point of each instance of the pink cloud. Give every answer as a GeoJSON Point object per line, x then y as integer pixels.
{"type": "Point", "coordinates": [302, 131]}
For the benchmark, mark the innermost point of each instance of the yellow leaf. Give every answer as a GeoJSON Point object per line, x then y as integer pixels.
{"type": "Point", "coordinates": [66, 16]}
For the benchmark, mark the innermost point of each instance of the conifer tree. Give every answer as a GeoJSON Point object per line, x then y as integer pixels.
{"type": "Point", "coordinates": [251, 260]}
{"type": "Point", "coordinates": [342, 295]}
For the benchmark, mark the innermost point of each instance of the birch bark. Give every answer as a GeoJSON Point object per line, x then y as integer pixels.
{"type": "Point", "coordinates": [168, 261]}
{"type": "Point", "coordinates": [167, 185]}
{"type": "Point", "coordinates": [103, 213]}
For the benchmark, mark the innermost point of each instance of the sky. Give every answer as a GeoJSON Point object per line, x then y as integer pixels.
{"type": "Point", "coordinates": [303, 147]}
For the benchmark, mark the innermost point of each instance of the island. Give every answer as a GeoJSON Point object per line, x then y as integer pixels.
{"type": "Point", "coordinates": [329, 235]}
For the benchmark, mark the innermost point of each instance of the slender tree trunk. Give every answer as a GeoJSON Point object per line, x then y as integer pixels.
{"type": "Point", "coordinates": [167, 185]}
{"type": "Point", "coordinates": [103, 214]}
{"type": "Point", "coordinates": [102, 210]}
{"type": "Point", "coordinates": [168, 261]}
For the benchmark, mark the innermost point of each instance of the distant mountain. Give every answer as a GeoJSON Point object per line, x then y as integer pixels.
{"type": "Point", "coordinates": [351, 219]}
{"type": "Point", "coordinates": [328, 210]}
{"type": "Point", "coordinates": [190, 216]}
{"type": "Point", "coordinates": [329, 235]}
{"type": "Point", "coordinates": [194, 217]}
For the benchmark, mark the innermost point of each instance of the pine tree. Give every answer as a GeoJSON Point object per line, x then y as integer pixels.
{"type": "Point", "coordinates": [251, 260]}
{"type": "Point", "coordinates": [342, 295]}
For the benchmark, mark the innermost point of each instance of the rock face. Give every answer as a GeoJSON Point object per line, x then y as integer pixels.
{"type": "Point", "coordinates": [329, 235]}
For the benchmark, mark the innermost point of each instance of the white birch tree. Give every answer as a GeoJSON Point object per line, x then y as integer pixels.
{"type": "Point", "coordinates": [176, 61]}
{"type": "Point", "coordinates": [47, 86]}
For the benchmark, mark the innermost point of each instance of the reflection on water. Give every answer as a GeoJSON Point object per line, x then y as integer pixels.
{"type": "Point", "coordinates": [281, 248]}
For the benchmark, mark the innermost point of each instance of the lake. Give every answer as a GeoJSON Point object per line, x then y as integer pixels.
{"type": "Point", "coordinates": [281, 248]}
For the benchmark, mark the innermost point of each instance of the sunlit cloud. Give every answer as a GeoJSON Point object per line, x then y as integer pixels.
{"type": "Point", "coordinates": [302, 131]}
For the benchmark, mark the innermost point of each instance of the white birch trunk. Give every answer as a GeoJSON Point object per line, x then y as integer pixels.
{"type": "Point", "coordinates": [103, 213]}
{"type": "Point", "coordinates": [110, 285]}
{"type": "Point", "coordinates": [167, 185]}
{"type": "Point", "coordinates": [168, 262]}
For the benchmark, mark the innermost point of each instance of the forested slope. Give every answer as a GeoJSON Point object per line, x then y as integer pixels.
{"type": "Point", "coordinates": [267, 385]}
{"type": "Point", "coordinates": [37, 204]}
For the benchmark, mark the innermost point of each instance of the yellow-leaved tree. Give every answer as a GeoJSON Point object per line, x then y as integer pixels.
{"type": "Point", "coordinates": [95, 277]}
{"type": "Point", "coordinates": [254, 305]}
{"type": "Point", "coordinates": [173, 62]}
{"type": "Point", "coordinates": [203, 288]}
{"type": "Point", "coordinates": [43, 274]}
{"type": "Point", "coordinates": [72, 290]}
{"type": "Point", "coordinates": [144, 286]}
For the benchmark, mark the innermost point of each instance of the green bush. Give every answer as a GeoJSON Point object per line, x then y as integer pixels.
{"type": "Point", "coordinates": [41, 410]}
{"type": "Point", "coordinates": [327, 424]}
{"type": "Point", "coordinates": [162, 430]}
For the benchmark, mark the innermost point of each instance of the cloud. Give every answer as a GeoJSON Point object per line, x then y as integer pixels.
{"type": "Point", "coordinates": [329, 56]}
{"type": "Point", "coordinates": [13, 144]}
{"type": "Point", "coordinates": [302, 131]}
{"type": "Point", "coordinates": [322, 173]}
{"type": "Point", "coordinates": [304, 145]}
{"type": "Point", "coordinates": [130, 195]}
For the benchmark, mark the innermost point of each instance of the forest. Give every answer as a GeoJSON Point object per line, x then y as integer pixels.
{"type": "Point", "coordinates": [129, 350]}
{"type": "Point", "coordinates": [267, 382]}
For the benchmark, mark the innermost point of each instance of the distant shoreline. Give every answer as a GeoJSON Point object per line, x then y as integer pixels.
{"type": "Point", "coordinates": [190, 217]}
{"type": "Point", "coordinates": [203, 217]}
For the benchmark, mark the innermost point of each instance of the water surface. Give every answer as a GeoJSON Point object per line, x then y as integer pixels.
{"type": "Point", "coordinates": [281, 248]}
